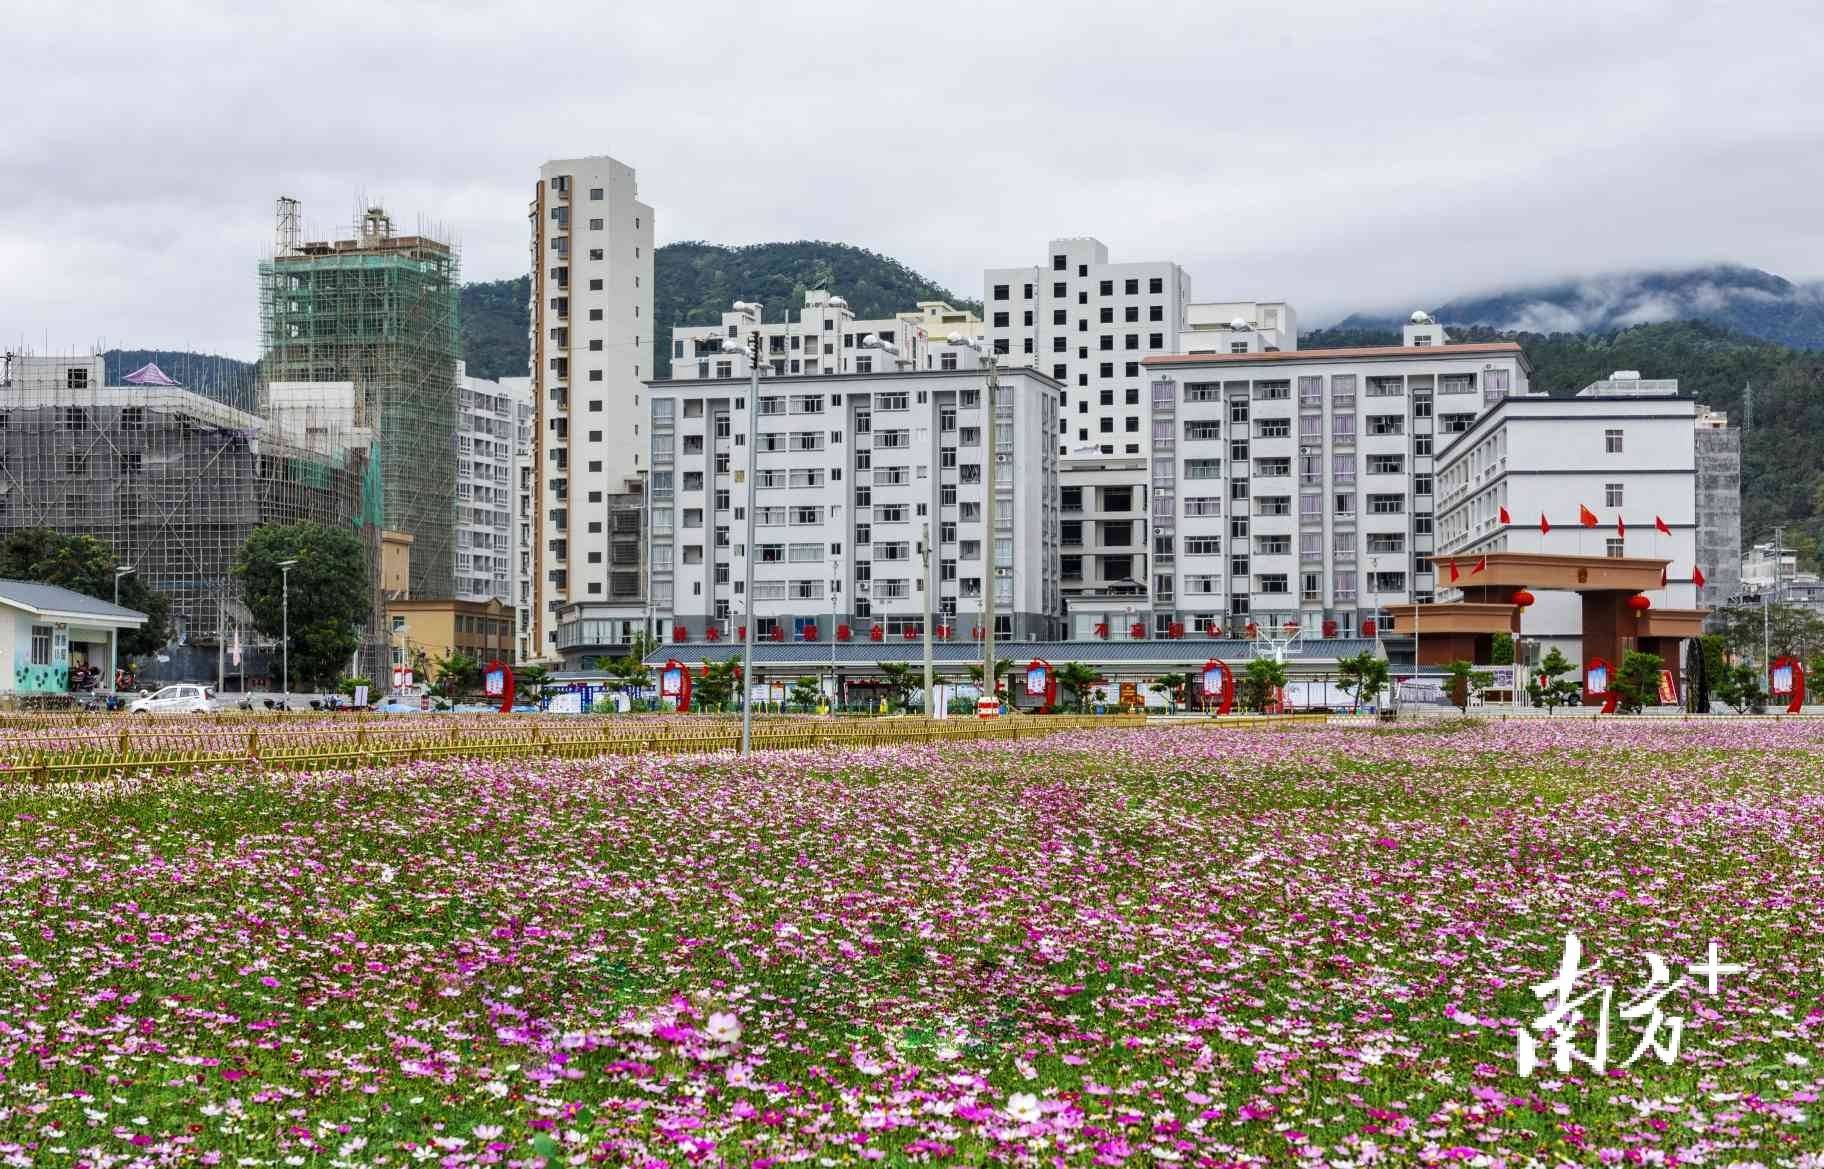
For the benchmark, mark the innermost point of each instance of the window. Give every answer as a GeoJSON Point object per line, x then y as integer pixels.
{"type": "Point", "coordinates": [1203, 545]}
{"type": "Point", "coordinates": [1272, 427]}
{"type": "Point", "coordinates": [1203, 505]}
{"type": "Point", "coordinates": [1203, 468]}
{"type": "Point", "coordinates": [1386, 464]}
{"type": "Point", "coordinates": [1000, 292]}
{"type": "Point", "coordinates": [1277, 391]}
{"type": "Point", "coordinates": [1611, 494]}
{"type": "Point", "coordinates": [1455, 423]}
{"type": "Point", "coordinates": [1156, 285]}
{"type": "Point", "coordinates": [1387, 504]}
{"type": "Point", "coordinates": [1611, 442]}
{"type": "Point", "coordinates": [41, 639]}
{"type": "Point", "coordinates": [1199, 431]}
{"type": "Point", "coordinates": [1203, 392]}
{"type": "Point", "coordinates": [1272, 582]}
{"type": "Point", "coordinates": [1617, 548]}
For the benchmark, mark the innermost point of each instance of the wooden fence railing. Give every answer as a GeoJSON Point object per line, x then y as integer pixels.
{"type": "Point", "coordinates": [98, 747]}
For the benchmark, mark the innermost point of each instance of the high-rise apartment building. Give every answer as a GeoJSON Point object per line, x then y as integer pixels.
{"type": "Point", "coordinates": [1089, 324]}
{"type": "Point", "coordinates": [1297, 486]}
{"type": "Point", "coordinates": [487, 437]}
{"type": "Point", "coordinates": [852, 471]}
{"type": "Point", "coordinates": [591, 351]}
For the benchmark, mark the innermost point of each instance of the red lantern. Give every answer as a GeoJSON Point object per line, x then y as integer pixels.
{"type": "Point", "coordinates": [975, 631]}
{"type": "Point", "coordinates": [1640, 603]}
{"type": "Point", "coordinates": [1137, 630]}
{"type": "Point", "coordinates": [1523, 598]}
{"type": "Point", "coordinates": [1175, 629]}
{"type": "Point", "coordinates": [1102, 629]}
{"type": "Point", "coordinates": [943, 633]}
{"type": "Point", "coordinates": [911, 633]}
{"type": "Point", "coordinates": [1368, 627]}
{"type": "Point", "coordinates": [875, 633]}
{"type": "Point", "coordinates": [1213, 629]}
{"type": "Point", "coordinates": [842, 633]}
{"type": "Point", "coordinates": [1253, 629]}
{"type": "Point", "coordinates": [810, 633]}
{"type": "Point", "coordinates": [740, 633]}
{"type": "Point", "coordinates": [712, 633]}
{"type": "Point", "coordinates": [778, 633]}
{"type": "Point", "coordinates": [1291, 628]}
{"type": "Point", "coordinates": [1329, 629]}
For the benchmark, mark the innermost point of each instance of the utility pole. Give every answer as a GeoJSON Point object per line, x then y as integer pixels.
{"type": "Point", "coordinates": [753, 446]}
{"type": "Point", "coordinates": [285, 567]}
{"type": "Point", "coordinates": [990, 544]}
{"type": "Point", "coordinates": [1779, 557]}
{"type": "Point", "coordinates": [835, 614]}
{"type": "Point", "coordinates": [924, 554]}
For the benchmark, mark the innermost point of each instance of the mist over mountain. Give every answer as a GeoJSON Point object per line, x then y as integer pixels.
{"type": "Point", "coordinates": [1748, 300]}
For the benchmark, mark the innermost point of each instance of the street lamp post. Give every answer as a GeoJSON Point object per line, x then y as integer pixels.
{"type": "Point", "coordinates": [285, 567]}
{"type": "Point", "coordinates": [753, 309]}
{"type": "Point", "coordinates": [924, 552]}
{"type": "Point", "coordinates": [114, 639]}
{"type": "Point", "coordinates": [986, 352]}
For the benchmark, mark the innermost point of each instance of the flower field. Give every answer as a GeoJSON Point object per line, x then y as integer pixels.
{"type": "Point", "coordinates": [1171, 945]}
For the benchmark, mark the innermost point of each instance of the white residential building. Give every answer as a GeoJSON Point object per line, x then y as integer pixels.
{"type": "Point", "coordinates": [525, 515]}
{"type": "Point", "coordinates": [825, 339]}
{"type": "Point", "coordinates": [1297, 486]}
{"type": "Point", "coordinates": [852, 469]}
{"type": "Point", "coordinates": [1238, 326]}
{"type": "Point", "coordinates": [1632, 451]}
{"type": "Point", "coordinates": [1090, 324]}
{"type": "Point", "coordinates": [592, 350]}
{"type": "Point", "coordinates": [487, 435]}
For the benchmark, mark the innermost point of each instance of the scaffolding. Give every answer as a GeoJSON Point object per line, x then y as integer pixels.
{"type": "Point", "coordinates": [378, 311]}
{"type": "Point", "coordinates": [174, 481]}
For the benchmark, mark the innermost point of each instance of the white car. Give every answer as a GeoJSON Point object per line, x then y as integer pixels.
{"type": "Point", "coordinates": [174, 700]}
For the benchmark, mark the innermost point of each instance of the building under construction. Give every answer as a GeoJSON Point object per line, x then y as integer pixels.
{"type": "Point", "coordinates": [378, 311]}
{"type": "Point", "coordinates": [175, 481]}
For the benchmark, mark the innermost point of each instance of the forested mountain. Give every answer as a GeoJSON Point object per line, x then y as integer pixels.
{"type": "Point", "coordinates": [694, 283]}
{"type": "Point", "coordinates": [1748, 300]}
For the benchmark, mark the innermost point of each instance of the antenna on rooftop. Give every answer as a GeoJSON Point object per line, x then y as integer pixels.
{"type": "Point", "coordinates": [1748, 408]}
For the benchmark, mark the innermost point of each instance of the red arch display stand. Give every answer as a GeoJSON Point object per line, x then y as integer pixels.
{"type": "Point", "coordinates": [1219, 679]}
{"type": "Point", "coordinates": [497, 682]}
{"type": "Point", "coordinates": [1787, 676]}
{"type": "Point", "coordinates": [1599, 682]}
{"type": "Point", "coordinates": [674, 682]}
{"type": "Point", "coordinates": [1041, 671]}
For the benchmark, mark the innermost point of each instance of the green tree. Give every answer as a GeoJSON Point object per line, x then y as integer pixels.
{"type": "Point", "coordinates": [1001, 666]}
{"type": "Point", "coordinates": [716, 688]}
{"type": "Point", "coordinates": [1548, 686]}
{"type": "Point", "coordinates": [458, 674]}
{"type": "Point", "coordinates": [631, 676]}
{"type": "Point", "coordinates": [529, 681]}
{"type": "Point", "coordinates": [1080, 680]}
{"type": "Point", "coordinates": [1501, 653]}
{"type": "Point", "coordinates": [1174, 687]}
{"type": "Point", "coordinates": [902, 678]}
{"type": "Point", "coordinates": [1466, 682]}
{"type": "Point", "coordinates": [347, 686]}
{"type": "Point", "coordinates": [331, 597]}
{"type": "Point", "coordinates": [1791, 630]}
{"type": "Point", "coordinates": [807, 694]}
{"type": "Point", "coordinates": [1741, 687]}
{"type": "Point", "coordinates": [1636, 684]}
{"type": "Point", "coordinates": [1362, 677]}
{"type": "Point", "coordinates": [86, 565]}
{"type": "Point", "coordinates": [1259, 682]}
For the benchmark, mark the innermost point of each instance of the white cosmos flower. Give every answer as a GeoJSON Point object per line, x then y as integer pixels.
{"type": "Point", "coordinates": [1023, 1107]}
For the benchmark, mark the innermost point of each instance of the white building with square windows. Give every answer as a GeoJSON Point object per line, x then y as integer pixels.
{"type": "Point", "coordinates": [852, 470]}
{"type": "Point", "coordinates": [488, 456]}
{"type": "Point", "coordinates": [591, 353]}
{"type": "Point", "coordinates": [1634, 452]}
{"type": "Point", "coordinates": [1296, 487]}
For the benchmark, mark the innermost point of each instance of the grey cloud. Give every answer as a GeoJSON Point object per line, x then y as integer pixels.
{"type": "Point", "coordinates": [1339, 155]}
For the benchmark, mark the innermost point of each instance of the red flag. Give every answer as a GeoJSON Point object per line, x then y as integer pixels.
{"type": "Point", "coordinates": [1454, 574]}
{"type": "Point", "coordinates": [1505, 518]}
{"type": "Point", "coordinates": [1662, 576]}
{"type": "Point", "coordinates": [1661, 525]}
{"type": "Point", "coordinates": [1545, 525]}
{"type": "Point", "coordinates": [1621, 527]}
{"type": "Point", "coordinates": [1586, 516]}
{"type": "Point", "coordinates": [1697, 576]}
{"type": "Point", "coordinates": [1481, 566]}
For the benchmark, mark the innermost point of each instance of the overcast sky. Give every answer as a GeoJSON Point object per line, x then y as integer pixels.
{"type": "Point", "coordinates": [1340, 155]}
